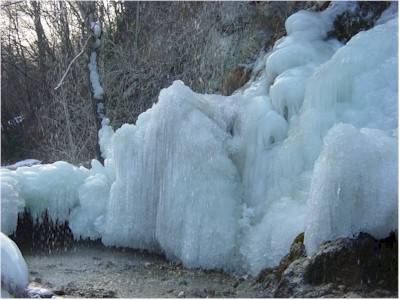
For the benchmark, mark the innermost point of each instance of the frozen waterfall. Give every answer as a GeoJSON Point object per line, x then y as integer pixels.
{"type": "Point", "coordinates": [310, 145]}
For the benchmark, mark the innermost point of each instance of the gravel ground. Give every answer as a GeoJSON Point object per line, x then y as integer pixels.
{"type": "Point", "coordinates": [98, 271]}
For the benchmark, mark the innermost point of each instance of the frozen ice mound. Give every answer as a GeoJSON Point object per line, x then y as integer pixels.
{"type": "Point", "coordinates": [40, 188]}
{"type": "Point", "coordinates": [176, 188]}
{"type": "Point", "coordinates": [51, 187]}
{"type": "Point", "coordinates": [14, 271]}
{"type": "Point", "coordinates": [354, 186]}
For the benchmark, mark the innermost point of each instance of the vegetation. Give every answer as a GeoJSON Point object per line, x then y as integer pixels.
{"type": "Point", "coordinates": [145, 46]}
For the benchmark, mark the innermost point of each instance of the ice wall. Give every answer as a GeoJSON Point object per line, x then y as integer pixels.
{"type": "Point", "coordinates": [49, 187]}
{"type": "Point", "coordinates": [224, 181]}
{"type": "Point", "coordinates": [175, 188]}
{"type": "Point", "coordinates": [357, 86]}
{"type": "Point", "coordinates": [271, 161]}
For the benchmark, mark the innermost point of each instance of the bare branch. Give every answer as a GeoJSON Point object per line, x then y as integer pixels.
{"type": "Point", "coordinates": [10, 3]}
{"type": "Point", "coordinates": [70, 64]}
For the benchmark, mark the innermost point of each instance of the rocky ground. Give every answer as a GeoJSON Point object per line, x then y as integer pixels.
{"type": "Point", "coordinates": [349, 268]}
{"type": "Point", "coordinates": [97, 271]}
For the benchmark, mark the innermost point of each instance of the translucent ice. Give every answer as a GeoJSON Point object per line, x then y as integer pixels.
{"type": "Point", "coordinates": [11, 202]}
{"type": "Point", "coordinates": [14, 271]}
{"type": "Point", "coordinates": [86, 220]}
{"type": "Point", "coordinates": [49, 187]}
{"type": "Point", "coordinates": [354, 186]}
{"type": "Point", "coordinates": [175, 190]}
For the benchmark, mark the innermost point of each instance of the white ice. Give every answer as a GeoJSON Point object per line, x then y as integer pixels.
{"type": "Point", "coordinates": [14, 271]}
{"type": "Point", "coordinates": [40, 188]}
{"type": "Point", "coordinates": [174, 190]}
{"type": "Point", "coordinates": [354, 186]}
{"type": "Point", "coordinates": [87, 219]}
{"type": "Point", "coordinates": [95, 77]}
{"type": "Point", "coordinates": [23, 163]}
{"type": "Point", "coordinates": [11, 201]}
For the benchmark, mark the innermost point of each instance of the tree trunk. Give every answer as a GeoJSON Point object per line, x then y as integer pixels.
{"type": "Point", "coordinates": [89, 13]}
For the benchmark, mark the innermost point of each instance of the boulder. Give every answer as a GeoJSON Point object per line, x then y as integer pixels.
{"type": "Point", "coordinates": [346, 267]}
{"type": "Point", "coordinates": [363, 17]}
{"type": "Point", "coordinates": [361, 261]}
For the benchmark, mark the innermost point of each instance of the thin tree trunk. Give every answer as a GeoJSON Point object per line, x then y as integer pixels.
{"type": "Point", "coordinates": [137, 25]}
{"type": "Point", "coordinates": [88, 9]}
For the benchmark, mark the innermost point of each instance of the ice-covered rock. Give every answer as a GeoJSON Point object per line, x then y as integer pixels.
{"type": "Point", "coordinates": [354, 186]}
{"type": "Point", "coordinates": [271, 162]}
{"type": "Point", "coordinates": [357, 86]}
{"type": "Point", "coordinates": [14, 271]}
{"type": "Point", "coordinates": [358, 261]}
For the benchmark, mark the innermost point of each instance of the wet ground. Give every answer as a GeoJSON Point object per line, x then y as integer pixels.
{"type": "Point", "coordinates": [98, 271]}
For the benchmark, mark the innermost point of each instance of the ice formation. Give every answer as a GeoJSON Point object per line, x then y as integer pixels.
{"type": "Point", "coordinates": [174, 190]}
{"type": "Point", "coordinates": [23, 163]}
{"type": "Point", "coordinates": [11, 202]}
{"type": "Point", "coordinates": [94, 77]}
{"type": "Point", "coordinates": [87, 218]}
{"type": "Point", "coordinates": [354, 186]}
{"type": "Point", "coordinates": [40, 188]}
{"type": "Point", "coordinates": [228, 182]}
{"type": "Point", "coordinates": [14, 271]}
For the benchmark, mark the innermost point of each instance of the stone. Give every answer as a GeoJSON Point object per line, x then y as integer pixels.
{"type": "Point", "coordinates": [351, 295]}
{"type": "Point", "coordinates": [363, 17]}
{"type": "Point", "coordinates": [361, 261]}
{"type": "Point", "coordinates": [297, 250]}
{"type": "Point", "coordinates": [198, 293]}
{"type": "Point", "coordinates": [346, 267]}
{"type": "Point", "coordinates": [181, 294]}
{"type": "Point", "coordinates": [292, 283]}
{"type": "Point", "coordinates": [59, 292]}
{"type": "Point", "coordinates": [183, 282]}
{"type": "Point", "coordinates": [38, 292]}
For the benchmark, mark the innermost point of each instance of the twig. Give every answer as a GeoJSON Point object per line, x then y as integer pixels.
{"type": "Point", "coordinates": [70, 64]}
{"type": "Point", "coordinates": [10, 3]}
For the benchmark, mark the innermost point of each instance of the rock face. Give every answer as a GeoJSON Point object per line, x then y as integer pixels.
{"type": "Point", "coordinates": [361, 261]}
{"type": "Point", "coordinates": [235, 79]}
{"type": "Point", "coordinates": [273, 275]}
{"type": "Point", "coordinates": [346, 267]}
{"type": "Point", "coordinates": [363, 17]}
